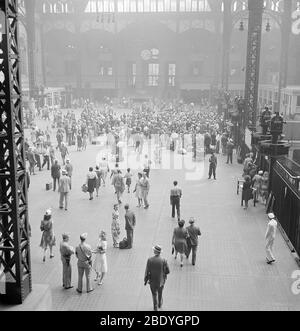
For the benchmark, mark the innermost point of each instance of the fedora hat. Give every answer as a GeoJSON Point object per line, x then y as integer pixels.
{"type": "Point", "coordinates": [157, 249]}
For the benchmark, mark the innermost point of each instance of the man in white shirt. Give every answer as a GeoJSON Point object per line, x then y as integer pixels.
{"type": "Point", "coordinates": [270, 237]}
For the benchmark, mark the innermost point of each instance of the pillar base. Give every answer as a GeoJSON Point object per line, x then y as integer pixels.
{"type": "Point", "coordinates": [40, 299]}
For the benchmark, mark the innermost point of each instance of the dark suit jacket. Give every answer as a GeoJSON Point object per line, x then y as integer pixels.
{"type": "Point", "coordinates": [156, 271]}
{"type": "Point", "coordinates": [193, 232]}
{"type": "Point", "coordinates": [130, 220]}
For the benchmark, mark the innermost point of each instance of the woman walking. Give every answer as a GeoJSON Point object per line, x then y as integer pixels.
{"type": "Point", "coordinates": [138, 190]}
{"type": "Point", "coordinates": [98, 180]}
{"type": "Point", "coordinates": [180, 236]}
{"type": "Point", "coordinates": [91, 182]}
{"type": "Point", "coordinates": [247, 191]}
{"type": "Point", "coordinates": [256, 182]}
{"type": "Point", "coordinates": [115, 226]}
{"type": "Point", "coordinates": [48, 237]}
{"type": "Point", "coordinates": [264, 186]}
{"type": "Point", "coordinates": [100, 262]}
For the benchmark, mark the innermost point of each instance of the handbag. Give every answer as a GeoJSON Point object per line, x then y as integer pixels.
{"type": "Point", "coordinates": [88, 258]}
{"type": "Point", "coordinates": [84, 188]}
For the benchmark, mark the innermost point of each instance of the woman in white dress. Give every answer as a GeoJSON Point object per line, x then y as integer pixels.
{"type": "Point", "coordinates": [138, 190]}
{"type": "Point", "coordinates": [100, 263]}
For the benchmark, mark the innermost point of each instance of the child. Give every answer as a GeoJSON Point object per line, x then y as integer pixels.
{"type": "Point", "coordinates": [115, 226]}
{"type": "Point", "coordinates": [128, 176]}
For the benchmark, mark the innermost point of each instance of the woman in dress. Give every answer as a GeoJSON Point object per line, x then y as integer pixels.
{"type": "Point", "coordinates": [98, 180]}
{"type": "Point", "coordinates": [48, 237]}
{"type": "Point", "coordinates": [138, 190]}
{"type": "Point", "coordinates": [91, 182]}
{"type": "Point", "coordinates": [100, 263]}
{"type": "Point", "coordinates": [115, 226]}
{"type": "Point", "coordinates": [264, 186]}
{"type": "Point", "coordinates": [256, 182]}
{"type": "Point", "coordinates": [180, 236]}
{"type": "Point", "coordinates": [247, 191]}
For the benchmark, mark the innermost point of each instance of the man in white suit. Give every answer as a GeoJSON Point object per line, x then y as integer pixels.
{"type": "Point", "coordinates": [270, 237]}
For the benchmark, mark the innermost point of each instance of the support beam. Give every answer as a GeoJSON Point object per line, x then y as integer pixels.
{"type": "Point", "coordinates": [226, 43]}
{"type": "Point", "coordinates": [255, 8]}
{"type": "Point", "coordinates": [31, 45]}
{"type": "Point", "coordinates": [285, 43]}
{"type": "Point", "coordinates": [15, 267]}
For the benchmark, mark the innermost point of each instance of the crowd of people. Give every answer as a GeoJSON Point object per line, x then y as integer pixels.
{"type": "Point", "coordinates": [168, 120]}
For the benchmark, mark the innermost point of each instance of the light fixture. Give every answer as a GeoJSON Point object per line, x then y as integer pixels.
{"type": "Point", "coordinates": [241, 28]}
{"type": "Point", "coordinates": [268, 26]}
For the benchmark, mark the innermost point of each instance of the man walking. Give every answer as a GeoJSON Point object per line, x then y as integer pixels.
{"type": "Point", "coordinates": [118, 183]}
{"type": "Point", "coordinates": [55, 173]}
{"type": "Point", "coordinates": [270, 238]}
{"type": "Point", "coordinates": [84, 255]}
{"type": "Point", "coordinates": [130, 222]}
{"type": "Point", "coordinates": [145, 187]}
{"type": "Point", "coordinates": [69, 169]}
{"type": "Point", "coordinates": [32, 160]}
{"type": "Point", "coordinates": [156, 273]}
{"type": "Point", "coordinates": [64, 187]}
{"type": "Point", "coordinates": [175, 196]}
{"type": "Point", "coordinates": [63, 152]}
{"type": "Point", "coordinates": [212, 166]}
{"type": "Point", "coordinates": [229, 148]}
{"type": "Point", "coordinates": [192, 240]}
{"type": "Point", "coordinates": [66, 252]}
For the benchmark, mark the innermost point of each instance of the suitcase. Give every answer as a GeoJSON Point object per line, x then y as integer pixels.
{"type": "Point", "coordinates": [123, 243]}
{"type": "Point", "coordinates": [48, 186]}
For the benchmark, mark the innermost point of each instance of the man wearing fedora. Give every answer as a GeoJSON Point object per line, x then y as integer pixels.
{"type": "Point", "coordinates": [84, 255]}
{"type": "Point", "coordinates": [192, 240]}
{"type": "Point", "coordinates": [156, 273]}
{"type": "Point", "coordinates": [270, 238]}
{"type": "Point", "coordinates": [66, 251]}
{"type": "Point", "coordinates": [64, 186]}
{"type": "Point", "coordinates": [130, 222]}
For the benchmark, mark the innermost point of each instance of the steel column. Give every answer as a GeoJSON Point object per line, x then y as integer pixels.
{"type": "Point", "coordinates": [255, 8]}
{"type": "Point", "coordinates": [15, 268]}
{"type": "Point", "coordinates": [285, 42]}
{"type": "Point", "coordinates": [31, 45]}
{"type": "Point", "coordinates": [227, 30]}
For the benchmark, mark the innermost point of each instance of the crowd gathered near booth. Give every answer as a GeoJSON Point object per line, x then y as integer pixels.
{"type": "Point", "coordinates": [73, 130]}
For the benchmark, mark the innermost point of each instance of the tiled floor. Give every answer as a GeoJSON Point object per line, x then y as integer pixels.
{"type": "Point", "coordinates": [230, 273]}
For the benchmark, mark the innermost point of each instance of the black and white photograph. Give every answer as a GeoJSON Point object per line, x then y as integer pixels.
{"type": "Point", "coordinates": [149, 159]}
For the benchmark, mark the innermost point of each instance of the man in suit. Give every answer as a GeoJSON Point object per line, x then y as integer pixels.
{"type": "Point", "coordinates": [212, 166]}
{"type": "Point", "coordinates": [229, 148]}
{"type": "Point", "coordinates": [55, 173]}
{"type": "Point", "coordinates": [66, 252]}
{"type": "Point", "coordinates": [84, 255]}
{"type": "Point", "coordinates": [270, 238]}
{"type": "Point", "coordinates": [118, 183]}
{"type": "Point", "coordinates": [64, 187]}
{"type": "Point", "coordinates": [156, 273]}
{"type": "Point", "coordinates": [130, 222]}
{"type": "Point", "coordinates": [192, 240]}
{"type": "Point", "coordinates": [175, 196]}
